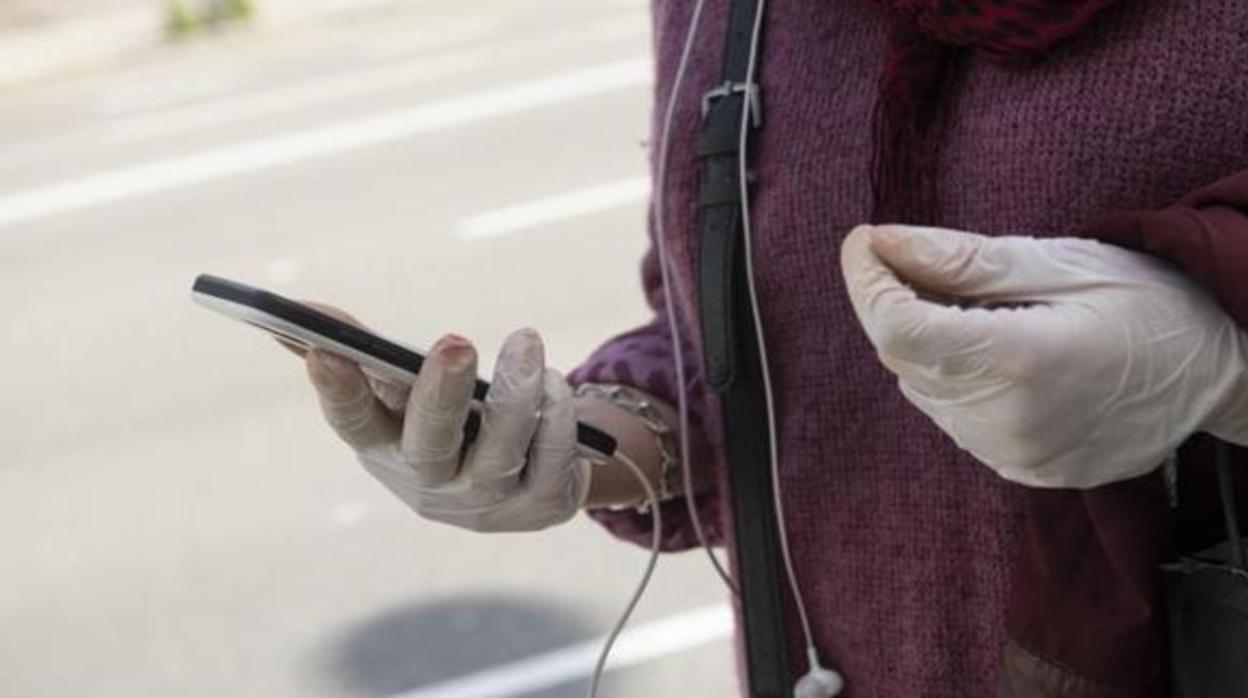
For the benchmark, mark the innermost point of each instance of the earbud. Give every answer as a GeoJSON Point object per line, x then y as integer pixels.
{"type": "Point", "coordinates": [818, 682]}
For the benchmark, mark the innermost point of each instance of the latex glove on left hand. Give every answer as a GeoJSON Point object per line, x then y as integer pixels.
{"type": "Point", "coordinates": [1057, 362]}
{"type": "Point", "coordinates": [523, 473]}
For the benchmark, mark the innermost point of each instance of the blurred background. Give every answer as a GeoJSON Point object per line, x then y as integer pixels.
{"type": "Point", "coordinates": [175, 520]}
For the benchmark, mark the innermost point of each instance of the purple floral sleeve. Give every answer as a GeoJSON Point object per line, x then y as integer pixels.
{"type": "Point", "coordinates": [643, 358]}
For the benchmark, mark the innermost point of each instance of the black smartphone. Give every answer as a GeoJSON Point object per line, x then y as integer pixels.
{"type": "Point", "coordinates": [384, 359]}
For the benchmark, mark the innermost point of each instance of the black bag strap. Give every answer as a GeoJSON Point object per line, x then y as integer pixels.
{"type": "Point", "coordinates": [732, 363]}
{"type": "Point", "coordinates": [719, 194]}
{"type": "Point", "coordinates": [1226, 490]}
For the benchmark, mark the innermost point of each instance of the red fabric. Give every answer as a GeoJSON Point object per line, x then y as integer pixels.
{"type": "Point", "coordinates": [920, 69]}
{"type": "Point", "coordinates": [1086, 595]}
{"type": "Point", "coordinates": [1205, 233]}
{"type": "Point", "coordinates": [999, 27]}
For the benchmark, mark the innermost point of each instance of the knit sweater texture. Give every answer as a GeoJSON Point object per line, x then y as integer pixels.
{"type": "Point", "coordinates": [904, 545]}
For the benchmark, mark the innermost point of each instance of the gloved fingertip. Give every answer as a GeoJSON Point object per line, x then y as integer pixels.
{"type": "Point", "coordinates": [920, 254]}
{"type": "Point", "coordinates": [533, 335]}
{"type": "Point", "coordinates": [448, 340]}
{"type": "Point", "coordinates": [523, 352]}
{"type": "Point", "coordinates": [885, 236]}
{"type": "Point", "coordinates": [455, 352]}
{"type": "Point", "coordinates": [901, 248]}
{"type": "Point", "coordinates": [528, 335]}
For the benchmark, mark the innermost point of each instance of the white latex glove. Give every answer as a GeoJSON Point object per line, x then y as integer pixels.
{"type": "Point", "coordinates": [1056, 362]}
{"type": "Point", "coordinates": [522, 473]}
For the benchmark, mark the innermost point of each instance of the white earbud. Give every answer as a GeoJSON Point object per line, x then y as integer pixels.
{"type": "Point", "coordinates": [818, 682]}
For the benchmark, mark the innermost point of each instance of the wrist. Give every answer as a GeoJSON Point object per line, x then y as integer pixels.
{"type": "Point", "coordinates": [611, 482]}
{"type": "Point", "coordinates": [645, 429]}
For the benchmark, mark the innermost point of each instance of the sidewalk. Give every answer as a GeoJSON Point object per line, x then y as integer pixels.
{"type": "Point", "coordinates": [51, 39]}
{"type": "Point", "coordinates": [42, 40]}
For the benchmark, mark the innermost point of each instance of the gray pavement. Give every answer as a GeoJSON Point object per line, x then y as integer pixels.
{"type": "Point", "coordinates": [174, 518]}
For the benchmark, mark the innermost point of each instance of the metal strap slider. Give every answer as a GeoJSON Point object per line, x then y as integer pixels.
{"type": "Point", "coordinates": [752, 92]}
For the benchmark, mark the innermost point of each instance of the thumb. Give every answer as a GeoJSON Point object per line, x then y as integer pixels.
{"type": "Point", "coordinates": [964, 265]}
{"type": "Point", "coordinates": [348, 403]}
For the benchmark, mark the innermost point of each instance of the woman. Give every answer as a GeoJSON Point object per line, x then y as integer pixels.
{"type": "Point", "coordinates": [924, 572]}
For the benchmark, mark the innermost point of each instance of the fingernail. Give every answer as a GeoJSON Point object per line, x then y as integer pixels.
{"type": "Point", "coordinates": [454, 351]}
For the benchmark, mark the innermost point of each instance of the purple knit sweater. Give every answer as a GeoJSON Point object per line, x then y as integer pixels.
{"type": "Point", "coordinates": [903, 544]}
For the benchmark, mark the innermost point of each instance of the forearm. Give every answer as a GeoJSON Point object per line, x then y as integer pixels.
{"type": "Point", "coordinates": [614, 483]}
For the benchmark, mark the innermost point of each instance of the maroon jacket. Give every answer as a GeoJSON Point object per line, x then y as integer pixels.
{"type": "Point", "coordinates": [925, 574]}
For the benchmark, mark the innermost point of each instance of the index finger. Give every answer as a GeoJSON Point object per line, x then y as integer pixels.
{"type": "Point", "coordinates": [903, 325]}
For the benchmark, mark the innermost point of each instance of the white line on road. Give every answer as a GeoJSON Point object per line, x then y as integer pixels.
{"type": "Point", "coordinates": [341, 88]}
{"type": "Point", "coordinates": [641, 644]}
{"type": "Point", "coordinates": [147, 92]}
{"type": "Point", "coordinates": [554, 209]}
{"type": "Point", "coordinates": [267, 101]}
{"type": "Point", "coordinates": [406, 41]}
{"type": "Point", "coordinates": [249, 156]}
{"type": "Point", "coordinates": [142, 92]}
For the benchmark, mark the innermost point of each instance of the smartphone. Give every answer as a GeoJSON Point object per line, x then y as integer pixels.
{"type": "Point", "coordinates": [381, 358]}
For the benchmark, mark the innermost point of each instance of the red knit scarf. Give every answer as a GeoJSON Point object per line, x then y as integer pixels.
{"type": "Point", "coordinates": [916, 89]}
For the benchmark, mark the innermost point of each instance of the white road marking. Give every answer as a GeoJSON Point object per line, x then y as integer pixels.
{"type": "Point", "coordinates": [554, 209]}
{"type": "Point", "coordinates": [141, 92]}
{"type": "Point", "coordinates": [261, 102]}
{"type": "Point", "coordinates": [249, 156]}
{"type": "Point", "coordinates": [149, 92]}
{"type": "Point", "coordinates": [641, 644]}
{"type": "Point", "coordinates": [408, 41]}
{"type": "Point", "coordinates": [342, 88]}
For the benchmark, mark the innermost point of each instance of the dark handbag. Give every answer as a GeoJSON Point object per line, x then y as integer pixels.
{"type": "Point", "coordinates": [1207, 609]}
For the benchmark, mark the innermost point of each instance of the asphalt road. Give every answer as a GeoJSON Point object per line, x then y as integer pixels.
{"type": "Point", "coordinates": [174, 518]}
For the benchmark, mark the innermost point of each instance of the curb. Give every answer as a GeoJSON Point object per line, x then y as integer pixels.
{"type": "Point", "coordinates": [71, 47]}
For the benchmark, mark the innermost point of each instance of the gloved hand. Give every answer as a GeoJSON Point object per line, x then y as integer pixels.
{"type": "Point", "coordinates": [523, 471]}
{"type": "Point", "coordinates": [1056, 362]}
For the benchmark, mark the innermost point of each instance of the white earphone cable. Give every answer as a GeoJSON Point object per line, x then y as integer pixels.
{"type": "Point", "coordinates": [772, 441]}
{"type": "Point", "coordinates": [656, 538]}
{"type": "Point", "coordinates": [818, 681]}
{"type": "Point", "coordinates": [660, 189]}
